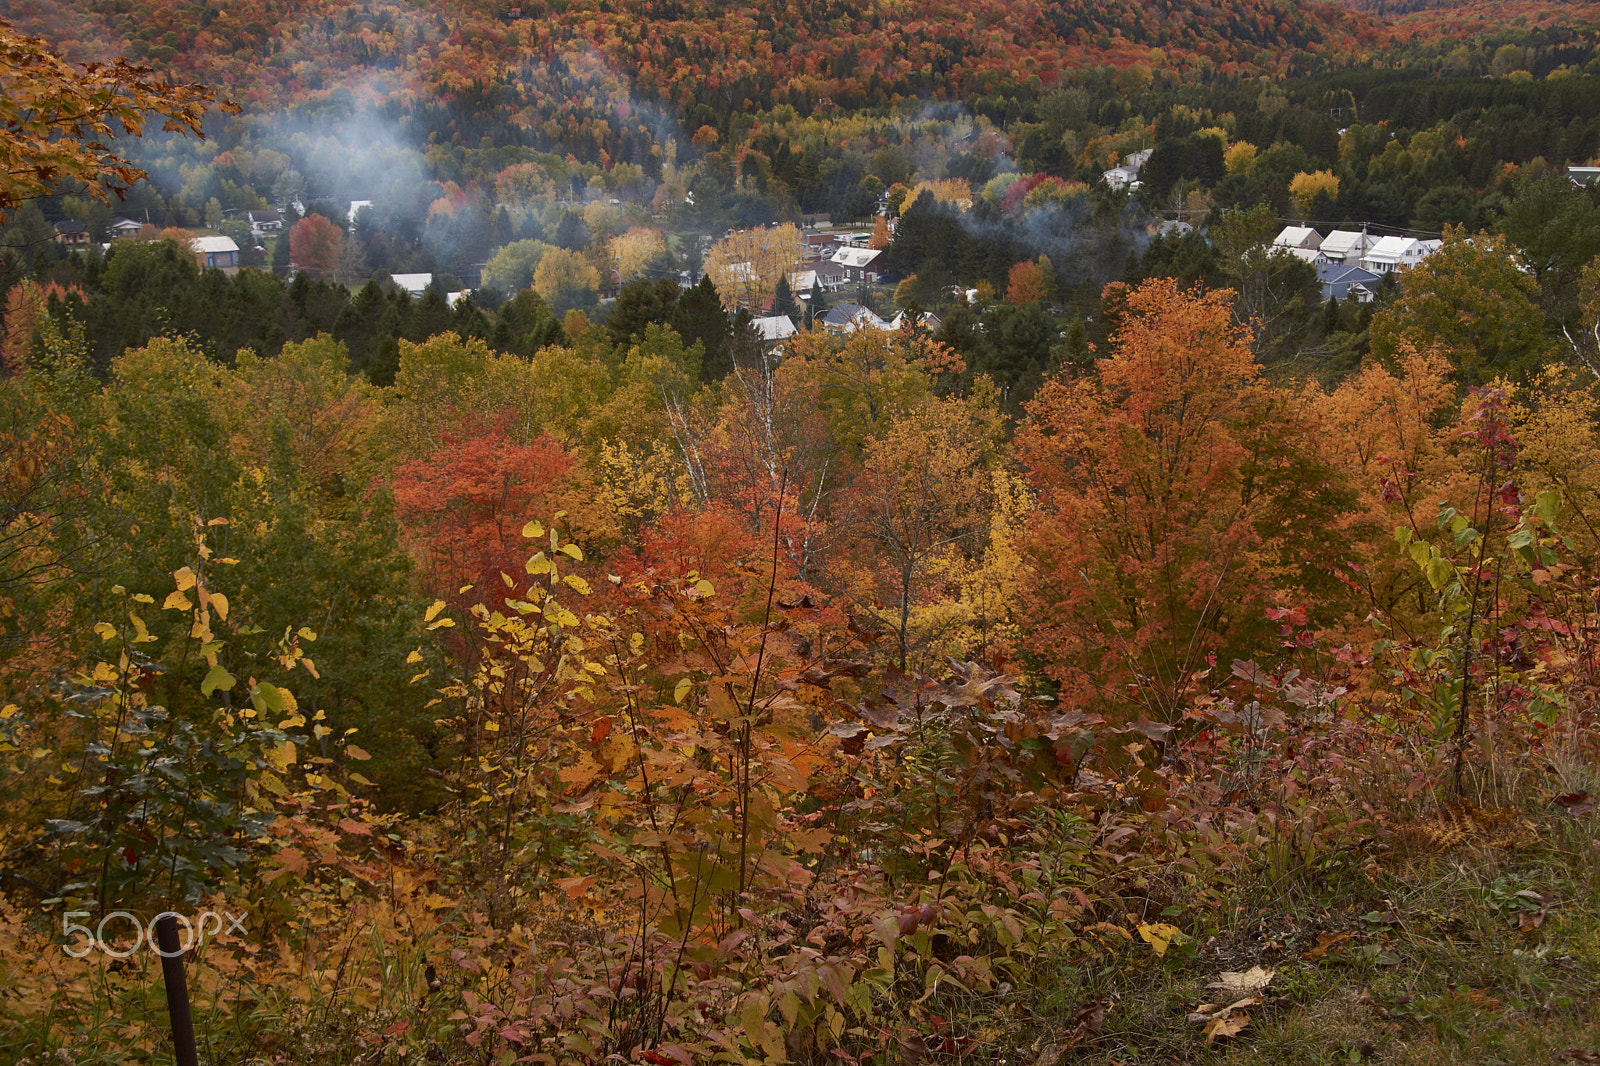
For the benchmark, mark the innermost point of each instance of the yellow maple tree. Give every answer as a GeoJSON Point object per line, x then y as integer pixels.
{"type": "Point", "coordinates": [746, 264]}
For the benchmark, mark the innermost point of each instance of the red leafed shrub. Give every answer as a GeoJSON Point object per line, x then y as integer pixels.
{"type": "Point", "coordinates": [464, 506]}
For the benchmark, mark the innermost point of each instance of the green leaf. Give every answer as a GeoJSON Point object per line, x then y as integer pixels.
{"type": "Point", "coordinates": [217, 678]}
{"type": "Point", "coordinates": [754, 1019]}
{"type": "Point", "coordinates": [266, 698]}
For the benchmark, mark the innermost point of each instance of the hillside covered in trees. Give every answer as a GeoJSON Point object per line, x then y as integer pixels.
{"type": "Point", "coordinates": [1141, 653]}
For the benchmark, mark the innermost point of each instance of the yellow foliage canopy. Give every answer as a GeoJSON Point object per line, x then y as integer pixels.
{"type": "Point", "coordinates": [745, 265]}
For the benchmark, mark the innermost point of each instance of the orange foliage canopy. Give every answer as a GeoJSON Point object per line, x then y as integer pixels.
{"type": "Point", "coordinates": [464, 506]}
{"type": "Point", "coordinates": [1179, 497]}
{"type": "Point", "coordinates": [1025, 283]}
{"type": "Point", "coordinates": [315, 245]}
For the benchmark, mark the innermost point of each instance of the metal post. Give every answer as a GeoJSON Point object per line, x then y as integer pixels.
{"type": "Point", "coordinates": [177, 991]}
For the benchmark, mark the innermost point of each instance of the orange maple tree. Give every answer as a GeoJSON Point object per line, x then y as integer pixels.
{"type": "Point", "coordinates": [1179, 496]}
{"type": "Point", "coordinates": [315, 245]}
{"type": "Point", "coordinates": [464, 506]}
{"type": "Point", "coordinates": [1025, 283]}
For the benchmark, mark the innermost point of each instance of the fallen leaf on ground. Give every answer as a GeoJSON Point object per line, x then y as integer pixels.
{"type": "Point", "coordinates": [1325, 942]}
{"type": "Point", "coordinates": [1087, 1025]}
{"type": "Point", "coordinates": [1225, 1027]}
{"type": "Point", "coordinates": [1247, 983]}
{"type": "Point", "coordinates": [1576, 803]}
{"type": "Point", "coordinates": [1224, 1022]}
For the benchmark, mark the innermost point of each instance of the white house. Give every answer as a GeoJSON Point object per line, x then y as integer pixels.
{"type": "Point", "coordinates": [1298, 237]}
{"type": "Point", "coordinates": [774, 329]}
{"type": "Point", "coordinates": [1313, 256]}
{"type": "Point", "coordinates": [263, 222]}
{"type": "Point", "coordinates": [413, 284]}
{"type": "Point", "coordinates": [927, 321]}
{"type": "Point", "coordinates": [1396, 253]}
{"type": "Point", "coordinates": [1345, 246]}
{"type": "Point", "coordinates": [1127, 175]}
{"type": "Point", "coordinates": [1123, 177]}
{"type": "Point", "coordinates": [800, 281]}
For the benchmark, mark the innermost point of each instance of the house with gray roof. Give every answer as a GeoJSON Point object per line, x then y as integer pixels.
{"type": "Point", "coordinates": [1345, 281]}
{"type": "Point", "coordinates": [847, 317]}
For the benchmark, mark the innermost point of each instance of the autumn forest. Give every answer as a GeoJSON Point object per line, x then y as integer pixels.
{"type": "Point", "coordinates": [652, 531]}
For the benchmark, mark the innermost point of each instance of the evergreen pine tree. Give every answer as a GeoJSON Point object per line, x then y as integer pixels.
{"type": "Point", "coordinates": [783, 301]}
{"type": "Point", "coordinates": [705, 321]}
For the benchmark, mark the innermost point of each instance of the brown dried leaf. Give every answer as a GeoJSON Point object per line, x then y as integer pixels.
{"type": "Point", "coordinates": [1325, 942]}
{"type": "Point", "coordinates": [1577, 803]}
{"type": "Point", "coordinates": [1222, 1027]}
{"type": "Point", "coordinates": [1247, 983]}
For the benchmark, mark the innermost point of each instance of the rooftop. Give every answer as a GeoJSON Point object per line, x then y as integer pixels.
{"type": "Point", "coordinates": [212, 245]}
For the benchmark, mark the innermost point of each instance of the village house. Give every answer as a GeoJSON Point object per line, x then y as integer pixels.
{"type": "Point", "coordinates": [412, 284]}
{"type": "Point", "coordinates": [846, 317]}
{"type": "Point", "coordinates": [72, 231]}
{"type": "Point", "coordinates": [264, 222]}
{"type": "Point", "coordinates": [125, 229]}
{"type": "Point", "coordinates": [774, 329]}
{"type": "Point", "coordinates": [1127, 175]}
{"type": "Point", "coordinates": [1346, 281]}
{"type": "Point", "coordinates": [1303, 237]}
{"type": "Point", "coordinates": [925, 321]}
{"type": "Point", "coordinates": [858, 265]}
{"type": "Point", "coordinates": [1345, 246]}
{"type": "Point", "coordinates": [220, 253]}
{"type": "Point", "coordinates": [1397, 253]}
